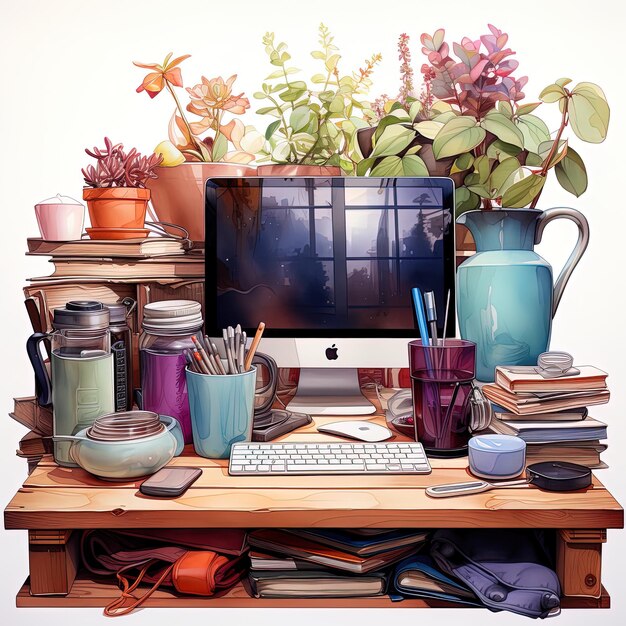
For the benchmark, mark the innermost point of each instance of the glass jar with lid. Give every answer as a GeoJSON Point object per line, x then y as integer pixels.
{"type": "Point", "coordinates": [167, 331]}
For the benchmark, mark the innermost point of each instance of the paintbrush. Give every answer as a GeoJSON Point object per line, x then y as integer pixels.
{"type": "Point", "coordinates": [254, 346]}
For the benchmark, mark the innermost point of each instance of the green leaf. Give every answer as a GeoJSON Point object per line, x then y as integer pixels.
{"type": "Point", "coordinates": [412, 165]}
{"type": "Point", "coordinates": [220, 147]}
{"type": "Point", "coordinates": [552, 93]}
{"type": "Point", "coordinates": [589, 113]}
{"type": "Point", "coordinates": [281, 73]}
{"type": "Point", "coordinates": [259, 95]}
{"type": "Point", "coordinates": [501, 150]}
{"type": "Point", "coordinates": [299, 118]}
{"type": "Point", "coordinates": [534, 130]}
{"type": "Point", "coordinates": [481, 190]}
{"type": "Point", "coordinates": [523, 192]}
{"type": "Point", "coordinates": [524, 109]}
{"type": "Point", "coordinates": [533, 160]}
{"type": "Point", "coordinates": [388, 167]}
{"type": "Point", "coordinates": [546, 146]}
{"type": "Point", "coordinates": [318, 54]}
{"type": "Point", "coordinates": [295, 90]}
{"type": "Point", "coordinates": [416, 108]}
{"type": "Point", "coordinates": [505, 108]}
{"type": "Point", "coordinates": [331, 62]}
{"type": "Point", "coordinates": [428, 129]}
{"type": "Point", "coordinates": [271, 129]}
{"type": "Point", "coordinates": [571, 173]}
{"type": "Point", "coordinates": [401, 114]}
{"type": "Point", "coordinates": [388, 120]}
{"type": "Point", "coordinates": [363, 166]}
{"type": "Point", "coordinates": [393, 140]}
{"type": "Point", "coordinates": [268, 110]}
{"type": "Point", "coordinates": [318, 79]}
{"type": "Point", "coordinates": [482, 167]}
{"type": "Point", "coordinates": [465, 200]}
{"type": "Point", "coordinates": [460, 134]}
{"type": "Point", "coordinates": [462, 163]}
{"type": "Point", "coordinates": [561, 82]}
{"type": "Point", "coordinates": [336, 105]}
{"type": "Point", "coordinates": [505, 175]}
{"type": "Point", "coordinates": [503, 128]}
{"type": "Point", "coordinates": [414, 149]}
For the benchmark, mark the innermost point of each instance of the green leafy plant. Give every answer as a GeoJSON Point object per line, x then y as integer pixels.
{"type": "Point", "coordinates": [314, 125]}
{"type": "Point", "coordinates": [470, 122]}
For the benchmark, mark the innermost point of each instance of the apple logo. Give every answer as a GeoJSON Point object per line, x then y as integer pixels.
{"type": "Point", "coordinates": [331, 353]}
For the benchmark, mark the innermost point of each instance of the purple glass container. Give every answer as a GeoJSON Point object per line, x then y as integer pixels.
{"type": "Point", "coordinates": [168, 328]}
{"type": "Point", "coordinates": [441, 384]}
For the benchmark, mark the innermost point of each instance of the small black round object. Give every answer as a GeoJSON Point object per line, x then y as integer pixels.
{"type": "Point", "coordinates": [558, 476]}
{"type": "Point", "coordinates": [549, 600]}
{"type": "Point", "coordinates": [496, 593]}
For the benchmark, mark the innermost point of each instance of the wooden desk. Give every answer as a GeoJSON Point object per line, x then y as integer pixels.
{"type": "Point", "coordinates": [55, 501]}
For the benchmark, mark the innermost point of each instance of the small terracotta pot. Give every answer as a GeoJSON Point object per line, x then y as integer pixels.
{"type": "Point", "coordinates": [117, 207]}
{"type": "Point", "coordinates": [178, 192]}
{"type": "Point", "coordinates": [288, 170]}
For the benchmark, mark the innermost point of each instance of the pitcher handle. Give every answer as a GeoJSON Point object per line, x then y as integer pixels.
{"type": "Point", "coordinates": [43, 386]}
{"type": "Point", "coordinates": [579, 249]}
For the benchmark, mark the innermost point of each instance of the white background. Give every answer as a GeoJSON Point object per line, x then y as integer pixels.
{"type": "Point", "coordinates": [67, 80]}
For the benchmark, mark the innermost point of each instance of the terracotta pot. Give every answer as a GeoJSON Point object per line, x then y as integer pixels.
{"type": "Point", "coordinates": [291, 170]}
{"type": "Point", "coordinates": [178, 192]}
{"type": "Point", "coordinates": [117, 207]}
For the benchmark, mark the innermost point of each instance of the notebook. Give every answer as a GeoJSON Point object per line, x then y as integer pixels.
{"type": "Point", "coordinates": [288, 544]}
{"type": "Point", "coordinates": [148, 247]}
{"type": "Point", "coordinates": [557, 416]}
{"type": "Point", "coordinates": [516, 380]}
{"type": "Point", "coordinates": [525, 403]}
{"type": "Point", "coordinates": [315, 584]}
{"type": "Point", "coordinates": [540, 432]}
{"type": "Point", "coordinates": [262, 561]}
{"type": "Point", "coordinates": [364, 546]}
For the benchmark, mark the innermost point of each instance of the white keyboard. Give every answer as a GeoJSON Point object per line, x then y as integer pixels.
{"type": "Point", "coordinates": [267, 459]}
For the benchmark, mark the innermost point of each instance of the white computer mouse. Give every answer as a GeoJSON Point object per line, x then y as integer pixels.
{"type": "Point", "coordinates": [356, 429]}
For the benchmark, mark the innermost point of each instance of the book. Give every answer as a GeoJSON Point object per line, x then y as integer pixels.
{"type": "Point", "coordinates": [582, 452]}
{"type": "Point", "coordinates": [80, 269]}
{"type": "Point", "coordinates": [364, 546]}
{"type": "Point", "coordinates": [27, 412]}
{"type": "Point", "coordinates": [34, 444]}
{"type": "Point", "coordinates": [262, 561]}
{"type": "Point", "coordinates": [556, 416]}
{"type": "Point", "coordinates": [289, 544]}
{"type": "Point", "coordinates": [527, 379]}
{"type": "Point", "coordinates": [525, 403]}
{"type": "Point", "coordinates": [141, 248]}
{"type": "Point", "coordinates": [315, 584]}
{"type": "Point", "coordinates": [418, 581]}
{"type": "Point", "coordinates": [547, 432]}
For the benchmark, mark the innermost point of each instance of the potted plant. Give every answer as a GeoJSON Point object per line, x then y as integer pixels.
{"type": "Point", "coordinates": [314, 127]}
{"type": "Point", "coordinates": [470, 122]}
{"type": "Point", "coordinates": [116, 192]}
{"type": "Point", "coordinates": [199, 147]}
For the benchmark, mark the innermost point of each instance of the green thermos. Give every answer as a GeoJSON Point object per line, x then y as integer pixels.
{"type": "Point", "coordinates": [80, 386]}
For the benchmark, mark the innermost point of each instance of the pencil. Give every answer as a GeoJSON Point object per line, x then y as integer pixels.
{"type": "Point", "coordinates": [203, 354]}
{"type": "Point", "coordinates": [254, 346]}
{"type": "Point", "coordinates": [216, 355]}
{"type": "Point", "coordinates": [203, 368]}
{"type": "Point", "coordinates": [190, 362]}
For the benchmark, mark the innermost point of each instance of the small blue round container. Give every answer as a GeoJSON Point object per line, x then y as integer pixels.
{"type": "Point", "coordinates": [496, 456]}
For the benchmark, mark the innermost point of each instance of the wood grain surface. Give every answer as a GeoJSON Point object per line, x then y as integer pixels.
{"type": "Point", "coordinates": [88, 593]}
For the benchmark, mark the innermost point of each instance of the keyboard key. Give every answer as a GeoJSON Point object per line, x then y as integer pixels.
{"type": "Point", "coordinates": [263, 468]}
{"type": "Point", "coordinates": [394, 468]}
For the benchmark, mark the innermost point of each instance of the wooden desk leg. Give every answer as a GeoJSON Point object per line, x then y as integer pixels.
{"type": "Point", "coordinates": [53, 561]}
{"type": "Point", "coordinates": [579, 561]}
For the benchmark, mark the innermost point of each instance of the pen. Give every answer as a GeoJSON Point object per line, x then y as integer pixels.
{"type": "Point", "coordinates": [254, 346]}
{"type": "Point", "coordinates": [229, 356]}
{"type": "Point", "coordinates": [216, 355]}
{"type": "Point", "coordinates": [418, 303]}
{"type": "Point", "coordinates": [431, 314]}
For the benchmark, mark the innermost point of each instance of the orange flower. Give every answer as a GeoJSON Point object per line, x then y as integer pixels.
{"type": "Point", "coordinates": [216, 94]}
{"type": "Point", "coordinates": [168, 72]}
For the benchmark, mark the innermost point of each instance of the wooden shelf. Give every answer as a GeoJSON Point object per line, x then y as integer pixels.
{"type": "Point", "coordinates": [88, 593]}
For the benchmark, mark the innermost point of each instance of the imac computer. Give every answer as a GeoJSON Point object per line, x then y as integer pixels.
{"type": "Point", "coordinates": [328, 264]}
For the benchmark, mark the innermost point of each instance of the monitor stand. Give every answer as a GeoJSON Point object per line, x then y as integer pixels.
{"type": "Point", "coordinates": [330, 391]}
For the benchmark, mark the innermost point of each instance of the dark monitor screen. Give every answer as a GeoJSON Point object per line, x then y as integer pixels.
{"type": "Point", "coordinates": [327, 256]}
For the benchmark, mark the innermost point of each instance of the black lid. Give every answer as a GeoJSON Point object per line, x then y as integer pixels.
{"type": "Point", "coordinates": [81, 315]}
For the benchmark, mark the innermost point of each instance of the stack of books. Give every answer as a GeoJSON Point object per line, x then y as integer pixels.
{"type": "Point", "coordinates": [326, 563]}
{"type": "Point", "coordinates": [551, 414]}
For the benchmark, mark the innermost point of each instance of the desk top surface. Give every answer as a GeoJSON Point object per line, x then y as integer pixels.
{"type": "Point", "coordinates": [56, 497]}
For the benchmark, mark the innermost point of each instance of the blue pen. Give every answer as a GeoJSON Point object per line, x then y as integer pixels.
{"type": "Point", "coordinates": [420, 313]}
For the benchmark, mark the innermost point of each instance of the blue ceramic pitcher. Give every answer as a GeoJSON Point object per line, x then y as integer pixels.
{"type": "Point", "coordinates": [505, 292]}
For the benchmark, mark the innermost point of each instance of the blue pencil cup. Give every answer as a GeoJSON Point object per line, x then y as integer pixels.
{"type": "Point", "coordinates": [222, 410]}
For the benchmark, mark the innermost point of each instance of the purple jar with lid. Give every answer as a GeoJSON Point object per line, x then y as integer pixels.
{"type": "Point", "coordinates": [168, 328]}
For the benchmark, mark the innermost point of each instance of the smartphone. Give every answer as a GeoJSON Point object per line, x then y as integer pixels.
{"type": "Point", "coordinates": [170, 482]}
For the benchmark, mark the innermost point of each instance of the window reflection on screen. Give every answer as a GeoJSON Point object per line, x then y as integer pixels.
{"type": "Point", "coordinates": [318, 257]}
